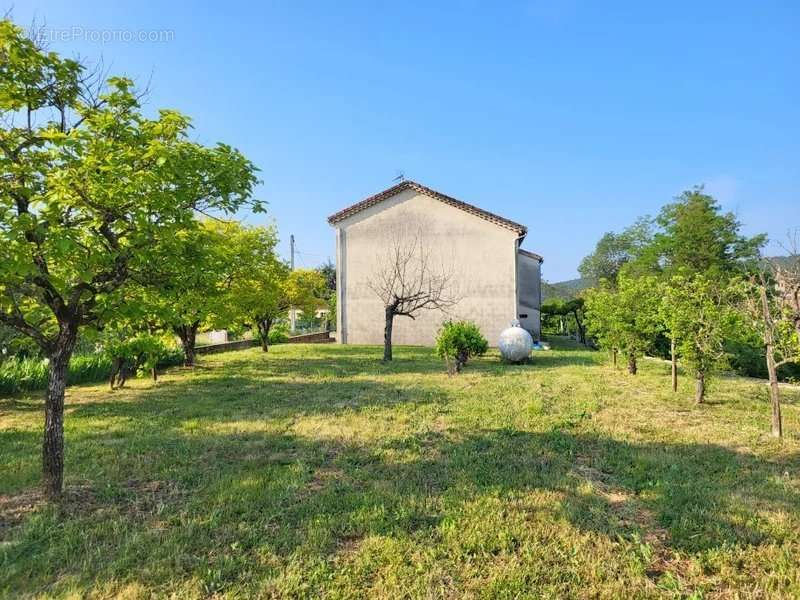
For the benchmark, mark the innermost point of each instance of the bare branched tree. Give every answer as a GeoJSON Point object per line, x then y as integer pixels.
{"type": "Point", "coordinates": [774, 305]}
{"type": "Point", "coordinates": [787, 279]}
{"type": "Point", "coordinates": [408, 280]}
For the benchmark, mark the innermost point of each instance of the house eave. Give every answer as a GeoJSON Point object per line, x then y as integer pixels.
{"type": "Point", "coordinates": [344, 214]}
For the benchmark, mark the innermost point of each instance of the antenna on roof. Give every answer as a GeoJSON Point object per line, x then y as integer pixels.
{"type": "Point", "coordinates": [400, 177]}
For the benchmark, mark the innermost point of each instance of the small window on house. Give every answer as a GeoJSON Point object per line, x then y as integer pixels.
{"type": "Point", "coordinates": [523, 316]}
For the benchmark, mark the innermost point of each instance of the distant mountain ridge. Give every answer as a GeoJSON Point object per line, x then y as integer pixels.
{"type": "Point", "coordinates": [563, 290]}
{"type": "Point", "coordinates": [567, 290]}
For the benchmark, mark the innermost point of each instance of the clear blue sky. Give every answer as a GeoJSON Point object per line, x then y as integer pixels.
{"type": "Point", "coordinates": [571, 117]}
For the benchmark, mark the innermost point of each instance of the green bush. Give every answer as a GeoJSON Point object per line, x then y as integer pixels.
{"type": "Point", "coordinates": [748, 358]}
{"type": "Point", "coordinates": [279, 334]}
{"type": "Point", "coordinates": [30, 374]}
{"type": "Point", "coordinates": [458, 341]}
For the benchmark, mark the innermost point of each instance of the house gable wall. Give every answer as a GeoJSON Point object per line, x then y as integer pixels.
{"type": "Point", "coordinates": [481, 256]}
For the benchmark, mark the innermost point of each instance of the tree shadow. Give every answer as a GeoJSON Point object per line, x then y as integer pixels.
{"type": "Point", "coordinates": [23, 402]}
{"type": "Point", "coordinates": [228, 492]}
{"type": "Point", "coordinates": [227, 398]}
{"type": "Point", "coordinates": [703, 496]}
{"type": "Point", "coordinates": [280, 492]}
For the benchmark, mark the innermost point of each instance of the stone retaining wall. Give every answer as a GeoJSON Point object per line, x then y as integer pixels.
{"type": "Point", "coordinates": [322, 337]}
{"type": "Point", "coordinates": [226, 347]}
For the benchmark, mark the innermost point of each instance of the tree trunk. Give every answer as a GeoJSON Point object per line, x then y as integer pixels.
{"type": "Point", "coordinates": [387, 334]}
{"type": "Point", "coordinates": [53, 443]}
{"type": "Point", "coordinates": [774, 394]}
{"type": "Point", "coordinates": [461, 360]}
{"type": "Point", "coordinates": [452, 366]}
{"type": "Point", "coordinates": [772, 369]}
{"type": "Point", "coordinates": [154, 373]}
{"type": "Point", "coordinates": [614, 357]}
{"type": "Point", "coordinates": [700, 387]}
{"type": "Point", "coordinates": [116, 365]}
{"type": "Point", "coordinates": [188, 336]}
{"type": "Point", "coordinates": [264, 325]}
{"type": "Point", "coordinates": [581, 329]}
{"type": "Point", "coordinates": [632, 366]}
{"type": "Point", "coordinates": [674, 356]}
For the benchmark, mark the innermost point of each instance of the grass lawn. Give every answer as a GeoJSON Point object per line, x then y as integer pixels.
{"type": "Point", "coordinates": [319, 471]}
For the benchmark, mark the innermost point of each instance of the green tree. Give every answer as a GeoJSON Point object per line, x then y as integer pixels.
{"type": "Point", "coordinates": [700, 316]}
{"type": "Point", "coordinates": [696, 236]}
{"type": "Point", "coordinates": [328, 271]}
{"type": "Point", "coordinates": [601, 318]}
{"type": "Point", "coordinates": [190, 290]}
{"type": "Point", "coordinates": [131, 351]}
{"type": "Point", "coordinates": [563, 309]}
{"type": "Point", "coordinates": [615, 250]}
{"type": "Point", "coordinates": [263, 288]}
{"type": "Point", "coordinates": [672, 324]}
{"type": "Point", "coordinates": [625, 318]}
{"type": "Point", "coordinates": [90, 189]}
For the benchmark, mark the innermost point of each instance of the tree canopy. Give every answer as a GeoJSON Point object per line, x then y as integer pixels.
{"type": "Point", "coordinates": [614, 250]}
{"type": "Point", "coordinates": [263, 287]}
{"type": "Point", "coordinates": [696, 236]}
{"type": "Point", "coordinates": [698, 312]}
{"type": "Point", "coordinates": [91, 193]}
{"type": "Point", "coordinates": [625, 318]}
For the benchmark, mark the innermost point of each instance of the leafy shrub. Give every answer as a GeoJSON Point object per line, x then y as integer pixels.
{"type": "Point", "coordinates": [133, 354]}
{"type": "Point", "coordinates": [279, 334]}
{"type": "Point", "coordinates": [458, 341]}
{"type": "Point", "coordinates": [30, 374]}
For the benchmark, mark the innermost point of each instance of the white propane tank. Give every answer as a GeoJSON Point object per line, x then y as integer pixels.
{"type": "Point", "coordinates": [515, 343]}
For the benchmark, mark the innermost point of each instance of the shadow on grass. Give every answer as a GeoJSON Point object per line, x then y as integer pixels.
{"type": "Point", "coordinates": [155, 484]}
{"type": "Point", "coordinates": [702, 496]}
{"type": "Point", "coordinates": [241, 495]}
{"type": "Point", "coordinates": [24, 403]}
{"type": "Point", "coordinates": [227, 398]}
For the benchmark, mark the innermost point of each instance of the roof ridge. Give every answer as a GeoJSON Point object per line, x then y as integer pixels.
{"type": "Point", "coordinates": [521, 230]}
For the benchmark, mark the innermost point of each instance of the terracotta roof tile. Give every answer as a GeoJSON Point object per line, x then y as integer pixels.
{"type": "Point", "coordinates": [521, 230]}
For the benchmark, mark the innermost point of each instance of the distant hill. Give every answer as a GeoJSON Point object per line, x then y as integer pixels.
{"type": "Point", "coordinates": [567, 290]}
{"type": "Point", "coordinates": [783, 261]}
{"type": "Point", "coordinates": [563, 290]}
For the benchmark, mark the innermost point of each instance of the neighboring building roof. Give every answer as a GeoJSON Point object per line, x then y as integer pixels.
{"type": "Point", "coordinates": [530, 254]}
{"type": "Point", "coordinates": [520, 230]}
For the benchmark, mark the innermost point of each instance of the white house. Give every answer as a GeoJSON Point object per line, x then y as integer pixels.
{"type": "Point", "coordinates": [492, 277]}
